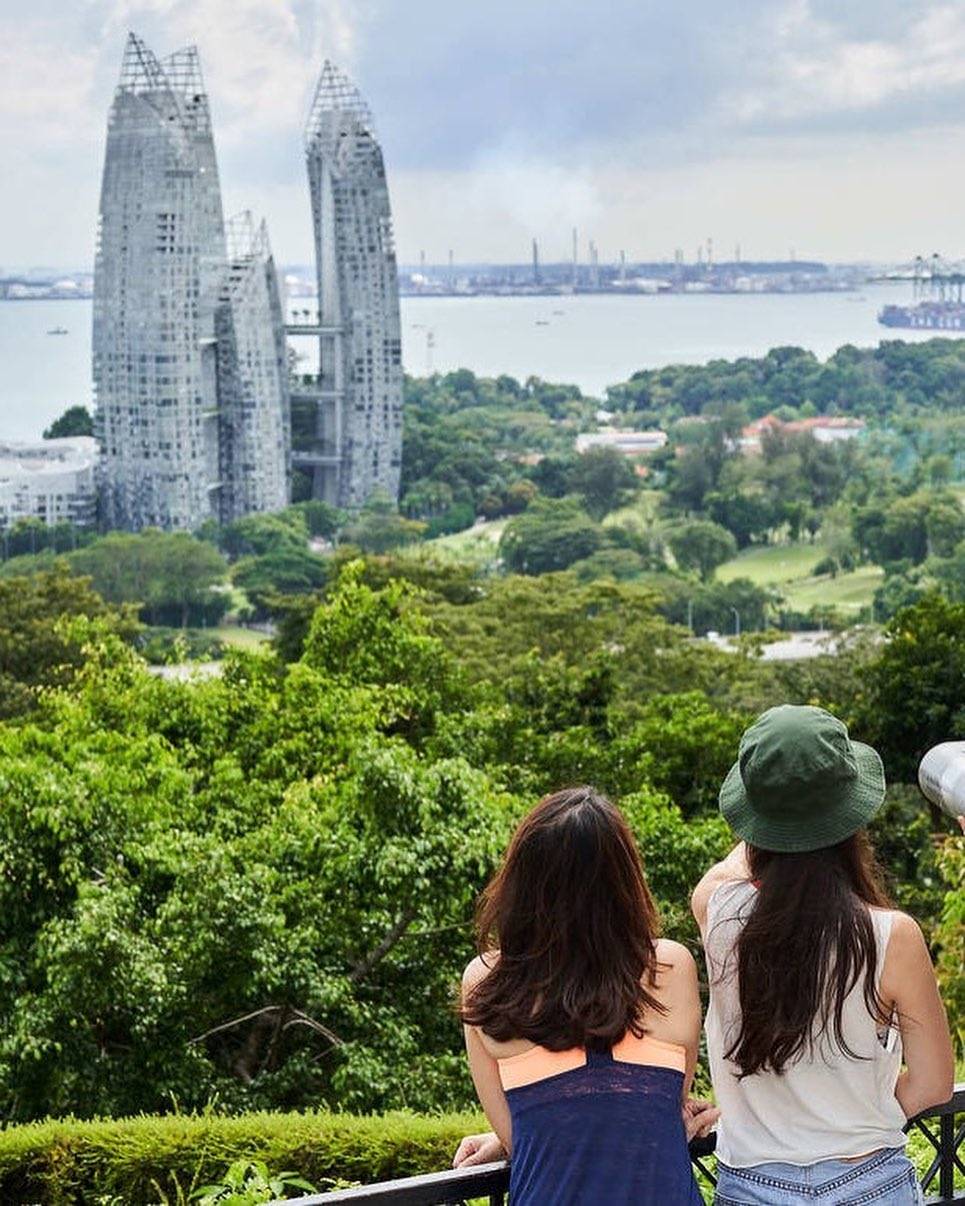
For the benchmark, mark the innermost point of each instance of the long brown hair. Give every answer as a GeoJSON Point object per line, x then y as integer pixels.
{"type": "Point", "coordinates": [805, 946]}
{"type": "Point", "coordinates": [571, 925]}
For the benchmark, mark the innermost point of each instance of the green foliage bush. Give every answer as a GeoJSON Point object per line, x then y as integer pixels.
{"type": "Point", "coordinates": [147, 1160]}
{"type": "Point", "coordinates": [701, 545]}
{"type": "Point", "coordinates": [164, 646]}
{"type": "Point", "coordinates": [40, 645]}
{"type": "Point", "coordinates": [258, 889]}
{"type": "Point", "coordinates": [913, 695]}
{"type": "Point", "coordinates": [255, 886]}
{"type": "Point", "coordinates": [175, 578]}
{"type": "Point", "coordinates": [549, 536]}
{"type": "Point", "coordinates": [75, 421]}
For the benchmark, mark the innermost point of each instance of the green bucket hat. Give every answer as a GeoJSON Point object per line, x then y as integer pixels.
{"type": "Point", "coordinates": [800, 783]}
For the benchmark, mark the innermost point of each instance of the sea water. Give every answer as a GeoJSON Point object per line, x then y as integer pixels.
{"type": "Point", "coordinates": [589, 341]}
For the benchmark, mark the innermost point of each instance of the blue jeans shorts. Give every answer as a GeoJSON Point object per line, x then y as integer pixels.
{"type": "Point", "coordinates": [886, 1178]}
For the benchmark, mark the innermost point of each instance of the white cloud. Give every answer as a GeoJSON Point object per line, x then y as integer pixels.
{"type": "Point", "coordinates": [812, 69]}
{"type": "Point", "coordinates": [495, 133]}
{"type": "Point", "coordinates": [43, 95]}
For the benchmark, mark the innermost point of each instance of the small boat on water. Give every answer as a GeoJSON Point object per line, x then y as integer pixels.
{"type": "Point", "coordinates": [57, 331]}
{"type": "Point", "coordinates": [542, 322]}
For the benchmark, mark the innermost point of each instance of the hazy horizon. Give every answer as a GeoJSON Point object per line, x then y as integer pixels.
{"type": "Point", "coordinates": [773, 124]}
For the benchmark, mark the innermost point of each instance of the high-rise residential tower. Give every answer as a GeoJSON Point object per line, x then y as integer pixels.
{"type": "Point", "coordinates": [171, 400]}
{"type": "Point", "coordinates": [254, 419]}
{"type": "Point", "coordinates": [355, 403]}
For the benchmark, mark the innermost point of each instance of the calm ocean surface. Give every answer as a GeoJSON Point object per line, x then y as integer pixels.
{"type": "Point", "coordinates": [589, 341]}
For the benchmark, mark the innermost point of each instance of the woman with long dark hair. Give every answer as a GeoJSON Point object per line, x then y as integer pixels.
{"type": "Point", "coordinates": [581, 1024]}
{"type": "Point", "coordinates": [820, 990]}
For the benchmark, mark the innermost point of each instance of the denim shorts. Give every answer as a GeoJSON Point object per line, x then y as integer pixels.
{"type": "Point", "coordinates": [886, 1177]}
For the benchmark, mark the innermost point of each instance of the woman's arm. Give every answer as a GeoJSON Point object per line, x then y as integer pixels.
{"type": "Point", "coordinates": [484, 1068]}
{"type": "Point", "coordinates": [676, 988]}
{"type": "Point", "coordinates": [485, 1076]}
{"type": "Point", "coordinates": [908, 979]}
{"type": "Point", "coordinates": [733, 867]}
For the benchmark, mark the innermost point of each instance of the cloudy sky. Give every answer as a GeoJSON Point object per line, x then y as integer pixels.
{"type": "Point", "coordinates": [834, 128]}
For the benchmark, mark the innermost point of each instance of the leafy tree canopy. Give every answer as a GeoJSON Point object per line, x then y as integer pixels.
{"type": "Point", "coordinates": [75, 421]}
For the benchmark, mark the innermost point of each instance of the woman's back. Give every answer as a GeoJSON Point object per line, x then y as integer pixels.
{"type": "Point", "coordinates": [581, 1025]}
{"type": "Point", "coordinates": [601, 1127]}
{"type": "Point", "coordinates": [826, 1103]}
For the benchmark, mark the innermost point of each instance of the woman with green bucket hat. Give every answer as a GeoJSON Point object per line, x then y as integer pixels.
{"type": "Point", "coordinates": [820, 990]}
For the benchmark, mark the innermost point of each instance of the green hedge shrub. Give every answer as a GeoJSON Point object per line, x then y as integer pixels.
{"type": "Point", "coordinates": [153, 1160]}
{"type": "Point", "coordinates": [158, 1161]}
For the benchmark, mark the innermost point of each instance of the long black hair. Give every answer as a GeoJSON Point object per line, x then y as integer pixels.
{"type": "Point", "coordinates": [807, 943]}
{"type": "Point", "coordinates": [574, 925]}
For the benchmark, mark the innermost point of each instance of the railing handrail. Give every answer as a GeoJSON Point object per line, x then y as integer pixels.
{"type": "Point", "coordinates": [450, 1186]}
{"type": "Point", "coordinates": [492, 1180]}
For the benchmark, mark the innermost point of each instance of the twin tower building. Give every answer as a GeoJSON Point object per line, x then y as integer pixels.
{"type": "Point", "coordinates": [195, 388]}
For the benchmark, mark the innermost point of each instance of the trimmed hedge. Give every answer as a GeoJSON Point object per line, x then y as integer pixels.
{"type": "Point", "coordinates": [152, 1160]}
{"type": "Point", "coordinates": [156, 1161]}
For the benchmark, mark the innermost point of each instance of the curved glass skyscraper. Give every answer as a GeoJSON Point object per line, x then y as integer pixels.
{"type": "Point", "coordinates": [178, 412]}
{"type": "Point", "coordinates": [254, 422]}
{"type": "Point", "coordinates": [355, 403]}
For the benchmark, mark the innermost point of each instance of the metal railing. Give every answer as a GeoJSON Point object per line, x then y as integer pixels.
{"type": "Point", "coordinates": [945, 1133]}
{"type": "Point", "coordinates": [939, 1124]}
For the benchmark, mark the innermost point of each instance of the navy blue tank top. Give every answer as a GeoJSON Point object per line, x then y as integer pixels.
{"type": "Point", "coordinates": [599, 1128]}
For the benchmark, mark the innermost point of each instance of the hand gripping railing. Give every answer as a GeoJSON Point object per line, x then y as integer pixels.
{"type": "Point", "coordinates": [939, 1124]}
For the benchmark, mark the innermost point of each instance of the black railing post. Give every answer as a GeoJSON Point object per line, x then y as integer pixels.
{"type": "Point", "coordinates": [946, 1141]}
{"type": "Point", "coordinates": [946, 1172]}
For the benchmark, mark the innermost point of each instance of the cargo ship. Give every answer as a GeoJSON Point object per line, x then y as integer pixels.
{"type": "Point", "coordinates": [926, 315]}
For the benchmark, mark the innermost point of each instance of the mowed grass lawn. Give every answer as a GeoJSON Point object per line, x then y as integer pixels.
{"type": "Point", "coordinates": [851, 593]}
{"type": "Point", "coordinates": [238, 637]}
{"type": "Point", "coordinates": [773, 564]}
{"type": "Point", "coordinates": [788, 568]}
{"type": "Point", "coordinates": [477, 545]}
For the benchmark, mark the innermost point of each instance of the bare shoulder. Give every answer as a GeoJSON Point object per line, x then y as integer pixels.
{"type": "Point", "coordinates": [477, 970]}
{"type": "Point", "coordinates": [675, 978]}
{"type": "Point", "coordinates": [675, 957]}
{"type": "Point", "coordinates": [907, 941]}
{"type": "Point", "coordinates": [732, 869]}
{"type": "Point", "coordinates": [700, 897]}
{"type": "Point", "coordinates": [676, 991]}
{"type": "Point", "coordinates": [907, 963]}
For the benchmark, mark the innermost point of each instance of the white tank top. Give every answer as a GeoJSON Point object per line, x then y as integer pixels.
{"type": "Point", "coordinates": [826, 1105]}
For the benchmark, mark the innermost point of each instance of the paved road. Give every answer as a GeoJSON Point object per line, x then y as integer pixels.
{"type": "Point", "coordinates": [795, 647]}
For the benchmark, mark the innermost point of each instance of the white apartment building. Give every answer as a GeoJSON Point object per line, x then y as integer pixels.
{"type": "Point", "coordinates": [51, 480]}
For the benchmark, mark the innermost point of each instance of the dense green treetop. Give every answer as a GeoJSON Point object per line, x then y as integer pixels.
{"type": "Point", "coordinates": [259, 887]}
{"type": "Point", "coordinates": [38, 646]}
{"type": "Point", "coordinates": [701, 545]}
{"type": "Point", "coordinates": [176, 577]}
{"type": "Point", "coordinates": [858, 381]}
{"type": "Point", "coordinates": [549, 536]}
{"type": "Point", "coordinates": [75, 421]}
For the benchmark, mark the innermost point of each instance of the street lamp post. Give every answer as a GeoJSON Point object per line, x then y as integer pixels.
{"type": "Point", "coordinates": [737, 621]}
